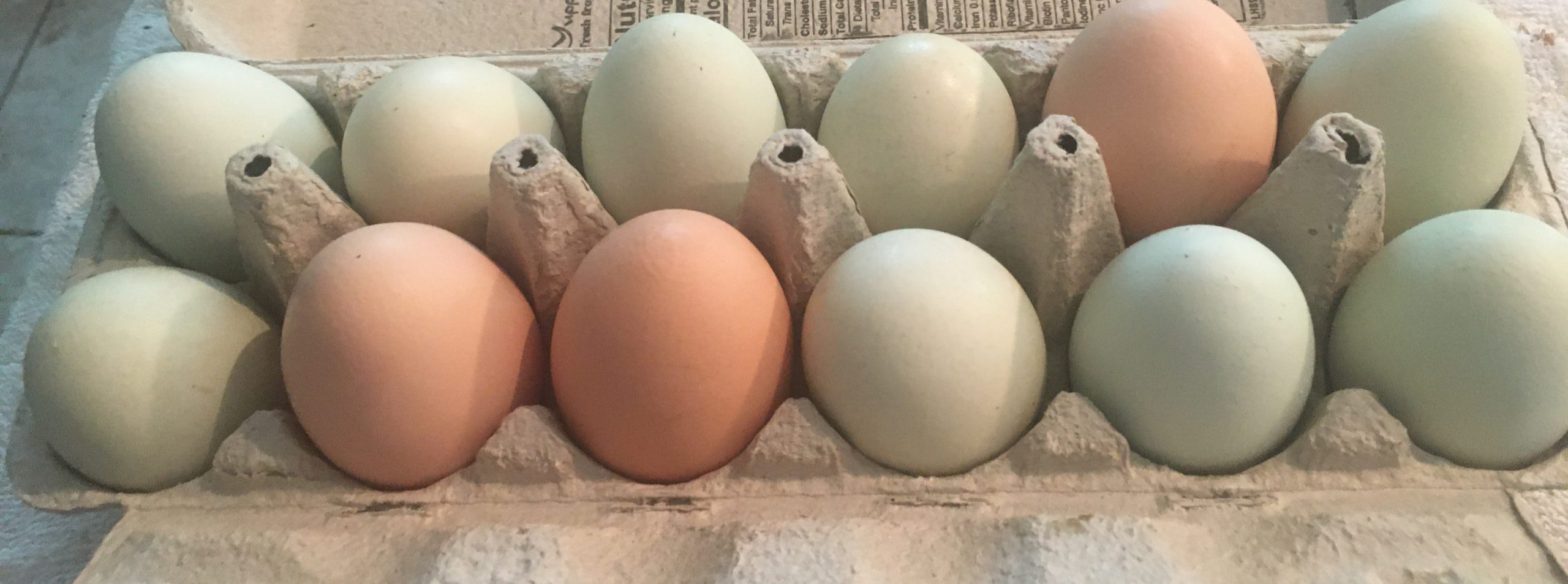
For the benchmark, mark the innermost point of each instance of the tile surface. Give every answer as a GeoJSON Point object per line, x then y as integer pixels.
{"type": "Point", "coordinates": [54, 55]}
{"type": "Point", "coordinates": [14, 251]}
{"type": "Point", "coordinates": [18, 21]}
{"type": "Point", "coordinates": [40, 116]}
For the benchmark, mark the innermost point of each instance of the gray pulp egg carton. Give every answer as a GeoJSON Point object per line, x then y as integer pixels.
{"type": "Point", "coordinates": [1349, 498]}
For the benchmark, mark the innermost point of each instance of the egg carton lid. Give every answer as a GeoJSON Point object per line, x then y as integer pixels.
{"type": "Point", "coordinates": [1472, 525]}
{"type": "Point", "coordinates": [295, 30]}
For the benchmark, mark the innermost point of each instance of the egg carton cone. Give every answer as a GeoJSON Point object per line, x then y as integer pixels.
{"type": "Point", "coordinates": [1349, 498]}
{"type": "Point", "coordinates": [283, 215]}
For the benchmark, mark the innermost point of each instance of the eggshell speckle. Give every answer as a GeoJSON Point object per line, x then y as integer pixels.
{"type": "Point", "coordinates": [924, 131]}
{"type": "Point", "coordinates": [924, 351]}
{"type": "Point", "coordinates": [419, 143]}
{"type": "Point", "coordinates": [1460, 327]}
{"type": "Point", "coordinates": [137, 375]}
{"type": "Point", "coordinates": [1181, 104]}
{"type": "Point", "coordinates": [1444, 81]}
{"type": "Point", "coordinates": [674, 119]}
{"type": "Point", "coordinates": [403, 349]}
{"type": "Point", "coordinates": [1197, 344]}
{"type": "Point", "coordinates": [164, 132]}
{"type": "Point", "coordinates": [671, 347]}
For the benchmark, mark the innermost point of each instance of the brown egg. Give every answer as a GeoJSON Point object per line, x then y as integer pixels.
{"type": "Point", "coordinates": [1181, 105]}
{"type": "Point", "coordinates": [403, 349]}
{"type": "Point", "coordinates": [671, 347]}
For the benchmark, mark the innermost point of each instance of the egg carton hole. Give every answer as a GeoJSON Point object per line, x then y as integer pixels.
{"type": "Point", "coordinates": [791, 153]}
{"type": "Point", "coordinates": [1067, 143]}
{"type": "Point", "coordinates": [258, 166]}
{"type": "Point", "coordinates": [1353, 444]}
{"type": "Point", "coordinates": [1353, 153]}
{"type": "Point", "coordinates": [527, 159]}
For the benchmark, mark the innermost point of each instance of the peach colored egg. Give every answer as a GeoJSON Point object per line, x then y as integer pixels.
{"type": "Point", "coordinates": [671, 347]}
{"type": "Point", "coordinates": [403, 349]}
{"type": "Point", "coordinates": [1181, 105]}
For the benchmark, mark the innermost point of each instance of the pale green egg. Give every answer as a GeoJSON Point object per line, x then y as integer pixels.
{"type": "Point", "coordinates": [1445, 83]}
{"type": "Point", "coordinates": [675, 117]}
{"type": "Point", "coordinates": [1197, 344]}
{"type": "Point", "coordinates": [1460, 327]}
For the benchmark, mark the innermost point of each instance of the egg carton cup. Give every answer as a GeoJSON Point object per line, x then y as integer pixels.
{"type": "Point", "coordinates": [800, 500]}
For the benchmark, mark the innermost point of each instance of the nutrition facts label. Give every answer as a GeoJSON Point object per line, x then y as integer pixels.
{"type": "Point", "coordinates": [785, 20]}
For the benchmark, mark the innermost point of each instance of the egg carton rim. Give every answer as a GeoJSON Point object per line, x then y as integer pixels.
{"type": "Point", "coordinates": [1350, 444]}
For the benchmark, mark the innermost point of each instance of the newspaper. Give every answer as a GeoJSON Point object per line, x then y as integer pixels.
{"type": "Point", "coordinates": [597, 23]}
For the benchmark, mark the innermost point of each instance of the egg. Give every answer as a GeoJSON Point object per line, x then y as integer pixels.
{"type": "Point", "coordinates": [164, 132]}
{"type": "Point", "coordinates": [924, 131]}
{"type": "Point", "coordinates": [136, 376]}
{"type": "Point", "coordinates": [1460, 327]}
{"type": "Point", "coordinates": [671, 347]}
{"type": "Point", "coordinates": [674, 118]}
{"type": "Point", "coordinates": [1445, 83]}
{"type": "Point", "coordinates": [418, 144]}
{"type": "Point", "coordinates": [1197, 345]}
{"type": "Point", "coordinates": [1181, 104]}
{"type": "Point", "coordinates": [403, 349]}
{"type": "Point", "coordinates": [924, 352]}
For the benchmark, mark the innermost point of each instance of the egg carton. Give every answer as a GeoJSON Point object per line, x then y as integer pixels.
{"type": "Point", "coordinates": [801, 502]}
